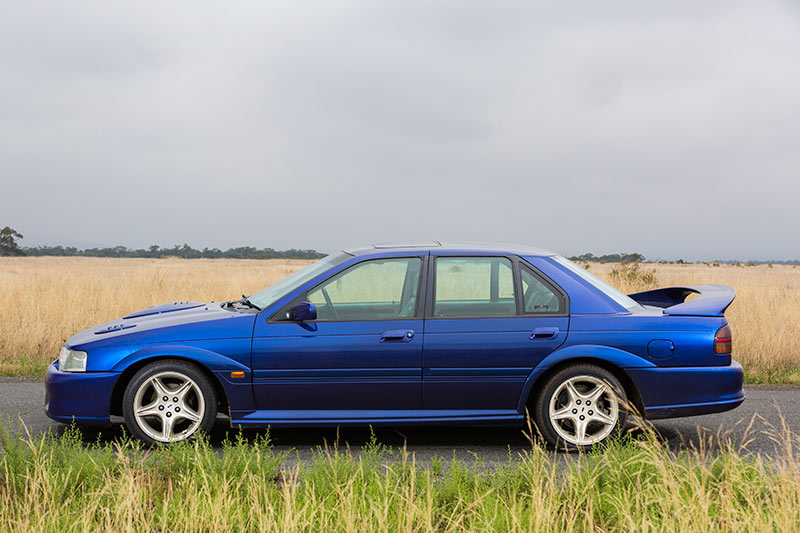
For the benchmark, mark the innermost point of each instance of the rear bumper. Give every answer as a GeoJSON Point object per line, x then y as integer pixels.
{"type": "Point", "coordinates": [675, 392]}
{"type": "Point", "coordinates": [82, 397]}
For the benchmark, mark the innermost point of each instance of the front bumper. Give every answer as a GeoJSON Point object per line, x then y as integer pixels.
{"type": "Point", "coordinates": [689, 391]}
{"type": "Point", "coordinates": [82, 397]}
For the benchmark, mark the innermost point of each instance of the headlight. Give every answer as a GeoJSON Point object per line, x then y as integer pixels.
{"type": "Point", "coordinates": [72, 360]}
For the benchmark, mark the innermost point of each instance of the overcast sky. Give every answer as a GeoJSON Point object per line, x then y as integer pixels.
{"type": "Point", "coordinates": [668, 128]}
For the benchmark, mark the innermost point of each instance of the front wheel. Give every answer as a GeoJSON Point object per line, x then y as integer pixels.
{"type": "Point", "coordinates": [580, 406]}
{"type": "Point", "coordinates": [167, 401]}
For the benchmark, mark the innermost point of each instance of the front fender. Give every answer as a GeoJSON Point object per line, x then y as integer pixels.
{"type": "Point", "coordinates": [615, 356]}
{"type": "Point", "coordinates": [238, 390]}
{"type": "Point", "coordinates": [211, 360]}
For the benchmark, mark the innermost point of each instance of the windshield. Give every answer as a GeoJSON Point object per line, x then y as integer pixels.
{"type": "Point", "coordinates": [266, 297]}
{"type": "Point", "coordinates": [618, 296]}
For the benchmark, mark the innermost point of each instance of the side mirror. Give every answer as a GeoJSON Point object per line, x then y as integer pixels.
{"type": "Point", "coordinates": [304, 311]}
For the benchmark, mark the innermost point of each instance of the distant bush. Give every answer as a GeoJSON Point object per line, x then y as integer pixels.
{"type": "Point", "coordinates": [632, 277]}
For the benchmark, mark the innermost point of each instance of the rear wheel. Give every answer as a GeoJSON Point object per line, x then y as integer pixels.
{"type": "Point", "coordinates": [579, 407]}
{"type": "Point", "coordinates": [167, 401]}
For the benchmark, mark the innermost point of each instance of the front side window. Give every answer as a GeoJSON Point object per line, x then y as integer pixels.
{"type": "Point", "coordinates": [372, 290]}
{"type": "Point", "coordinates": [266, 297]}
{"type": "Point", "coordinates": [474, 286]}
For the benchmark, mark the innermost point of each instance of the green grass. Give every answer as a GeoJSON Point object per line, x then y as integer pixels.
{"type": "Point", "coordinates": [51, 483]}
{"type": "Point", "coordinates": [773, 376]}
{"type": "Point", "coordinates": [23, 368]}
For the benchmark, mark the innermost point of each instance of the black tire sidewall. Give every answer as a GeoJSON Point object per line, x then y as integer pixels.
{"type": "Point", "coordinates": [169, 365]}
{"type": "Point", "coordinates": [541, 409]}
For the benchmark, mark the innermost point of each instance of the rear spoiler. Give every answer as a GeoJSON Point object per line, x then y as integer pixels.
{"type": "Point", "coordinates": [713, 300]}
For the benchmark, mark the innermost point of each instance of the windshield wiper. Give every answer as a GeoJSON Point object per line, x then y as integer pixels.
{"type": "Point", "coordinates": [248, 303]}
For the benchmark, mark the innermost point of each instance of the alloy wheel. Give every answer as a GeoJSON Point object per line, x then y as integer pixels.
{"type": "Point", "coordinates": [584, 410]}
{"type": "Point", "coordinates": [168, 406]}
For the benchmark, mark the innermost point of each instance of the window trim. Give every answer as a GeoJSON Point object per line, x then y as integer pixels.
{"type": "Point", "coordinates": [431, 296]}
{"type": "Point", "coordinates": [517, 264]}
{"type": "Point", "coordinates": [276, 317]}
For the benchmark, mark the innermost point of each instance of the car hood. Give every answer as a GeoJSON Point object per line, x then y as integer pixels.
{"type": "Point", "coordinates": [164, 308]}
{"type": "Point", "coordinates": [172, 322]}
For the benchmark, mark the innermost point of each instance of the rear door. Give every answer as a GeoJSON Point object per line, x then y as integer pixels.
{"type": "Point", "coordinates": [363, 352]}
{"type": "Point", "coordinates": [489, 321]}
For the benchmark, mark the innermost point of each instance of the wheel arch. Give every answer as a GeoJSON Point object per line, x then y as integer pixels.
{"type": "Point", "coordinates": [118, 392]}
{"type": "Point", "coordinates": [610, 359]}
{"type": "Point", "coordinates": [631, 390]}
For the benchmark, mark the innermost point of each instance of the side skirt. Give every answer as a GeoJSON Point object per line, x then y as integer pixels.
{"type": "Point", "coordinates": [322, 418]}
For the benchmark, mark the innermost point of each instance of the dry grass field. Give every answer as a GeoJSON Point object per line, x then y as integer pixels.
{"type": "Point", "coordinates": [44, 300]}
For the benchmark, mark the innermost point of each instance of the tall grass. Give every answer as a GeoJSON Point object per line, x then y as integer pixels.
{"type": "Point", "coordinates": [45, 300]}
{"type": "Point", "coordinates": [52, 483]}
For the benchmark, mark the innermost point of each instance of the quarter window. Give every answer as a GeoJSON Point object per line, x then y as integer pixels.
{"type": "Point", "coordinates": [372, 290]}
{"type": "Point", "coordinates": [474, 286]}
{"type": "Point", "coordinates": [538, 297]}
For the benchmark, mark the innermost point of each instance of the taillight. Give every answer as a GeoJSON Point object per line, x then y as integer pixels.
{"type": "Point", "coordinates": [723, 340]}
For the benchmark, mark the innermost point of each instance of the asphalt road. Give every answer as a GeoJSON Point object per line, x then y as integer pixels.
{"type": "Point", "coordinates": [752, 425]}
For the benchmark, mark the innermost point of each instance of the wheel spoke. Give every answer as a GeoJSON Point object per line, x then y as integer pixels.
{"type": "Point", "coordinates": [603, 418]}
{"type": "Point", "coordinates": [166, 427]}
{"type": "Point", "coordinates": [148, 410]}
{"type": "Point", "coordinates": [596, 393]}
{"type": "Point", "coordinates": [188, 414]}
{"type": "Point", "coordinates": [573, 392]}
{"type": "Point", "coordinates": [181, 391]}
{"type": "Point", "coordinates": [580, 430]}
{"type": "Point", "coordinates": [159, 386]}
{"type": "Point", "coordinates": [565, 412]}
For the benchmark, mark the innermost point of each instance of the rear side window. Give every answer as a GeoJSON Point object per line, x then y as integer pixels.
{"type": "Point", "coordinates": [538, 297]}
{"type": "Point", "coordinates": [474, 286]}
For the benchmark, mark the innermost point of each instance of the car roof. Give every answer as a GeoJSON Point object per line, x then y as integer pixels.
{"type": "Point", "coordinates": [436, 246]}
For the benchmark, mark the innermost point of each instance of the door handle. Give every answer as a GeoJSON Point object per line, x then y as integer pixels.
{"type": "Point", "coordinates": [543, 333]}
{"type": "Point", "coordinates": [397, 335]}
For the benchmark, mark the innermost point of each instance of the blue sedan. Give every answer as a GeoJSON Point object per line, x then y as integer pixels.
{"type": "Point", "coordinates": [416, 334]}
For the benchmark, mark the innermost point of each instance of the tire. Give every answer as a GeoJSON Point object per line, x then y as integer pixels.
{"type": "Point", "coordinates": [190, 405]}
{"type": "Point", "coordinates": [579, 407]}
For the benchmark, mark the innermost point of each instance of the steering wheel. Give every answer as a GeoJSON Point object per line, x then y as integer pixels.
{"type": "Point", "coordinates": [329, 303]}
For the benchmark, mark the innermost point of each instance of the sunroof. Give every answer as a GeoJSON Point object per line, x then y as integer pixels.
{"type": "Point", "coordinates": [429, 244]}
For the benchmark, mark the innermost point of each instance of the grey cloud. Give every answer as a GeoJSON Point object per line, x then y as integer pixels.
{"type": "Point", "coordinates": [667, 128]}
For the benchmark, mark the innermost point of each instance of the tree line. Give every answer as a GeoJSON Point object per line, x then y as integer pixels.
{"type": "Point", "coordinates": [10, 247]}
{"type": "Point", "coordinates": [624, 257]}
{"type": "Point", "coordinates": [185, 252]}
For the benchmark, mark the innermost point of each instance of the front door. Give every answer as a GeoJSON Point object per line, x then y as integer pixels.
{"type": "Point", "coordinates": [490, 321]}
{"type": "Point", "coordinates": [362, 353]}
